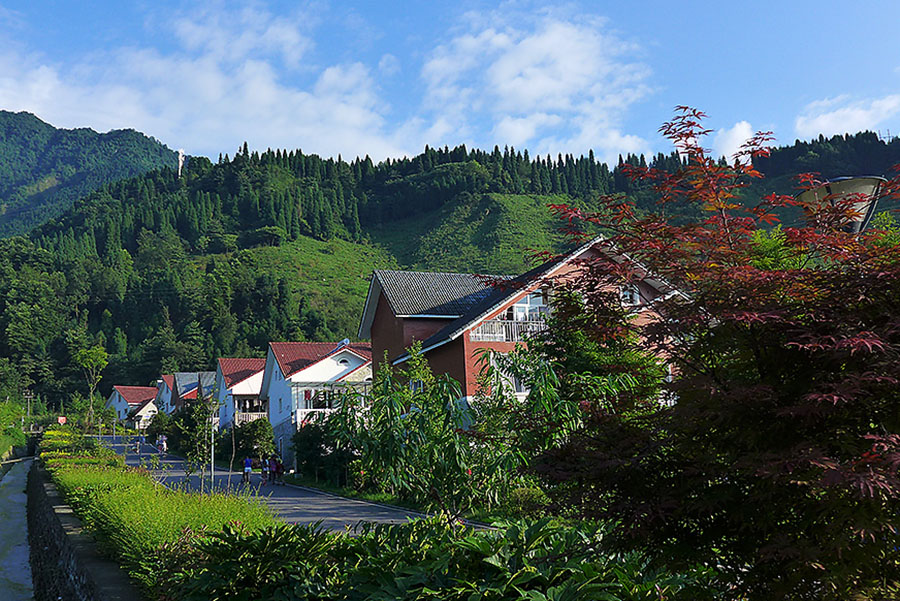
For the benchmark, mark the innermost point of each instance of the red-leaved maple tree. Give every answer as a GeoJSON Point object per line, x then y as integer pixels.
{"type": "Point", "coordinates": [775, 455]}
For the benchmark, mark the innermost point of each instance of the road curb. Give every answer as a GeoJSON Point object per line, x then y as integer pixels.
{"type": "Point", "coordinates": [319, 491]}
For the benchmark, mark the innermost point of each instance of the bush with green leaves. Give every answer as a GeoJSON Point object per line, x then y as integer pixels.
{"type": "Point", "coordinates": [317, 455]}
{"type": "Point", "coordinates": [426, 559]}
{"type": "Point", "coordinates": [255, 438]}
{"type": "Point", "coordinates": [10, 432]}
{"type": "Point", "coordinates": [416, 442]}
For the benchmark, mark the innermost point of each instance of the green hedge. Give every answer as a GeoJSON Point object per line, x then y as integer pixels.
{"type": "Point", "coordinates": [189, 547]}
{"type": "Point", "coordinates": [425, 559]}
{"type": "Point", "coordinates": [134, 518]}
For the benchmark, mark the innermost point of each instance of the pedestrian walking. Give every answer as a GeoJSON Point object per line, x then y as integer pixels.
{"type": "Point", "coordinates": [264, 469]}
{"type": "Point", "coordinates": [279, 471]}
{"type": "Point", "coordinates": [248, 467]}
{"type": "Point", "coordinates": [273, 471]}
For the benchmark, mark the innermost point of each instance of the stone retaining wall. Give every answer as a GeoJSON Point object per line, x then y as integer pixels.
{"type": "Point", "coordinates": [65, 562]}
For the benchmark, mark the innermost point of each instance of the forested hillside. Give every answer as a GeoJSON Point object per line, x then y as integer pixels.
{"type": "Point", "coordinates": [169, 273]}
{"type": "Point", "coordinates": [44, 169]}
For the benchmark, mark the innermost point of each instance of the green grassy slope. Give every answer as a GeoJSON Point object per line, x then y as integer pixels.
{"type": "Point", "coordinates": [331, 276]}
{"type": "Point", "coordinates": [489, 233]}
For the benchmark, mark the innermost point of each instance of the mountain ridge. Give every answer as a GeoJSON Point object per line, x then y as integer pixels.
{"type": "Point", "coordinates": [44, 169]}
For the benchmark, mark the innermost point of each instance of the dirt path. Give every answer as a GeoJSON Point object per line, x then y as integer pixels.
{"type": "Point", "coordinates": [15, 569]}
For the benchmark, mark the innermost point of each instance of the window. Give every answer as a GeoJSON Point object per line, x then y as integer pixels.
{"type": "Point", "coordinates": [533, 307]}
{"type": "Point", "coordinates": [630, 295]}
{"type": "Point", "coordinates": [513, 383]}
{"type": "Point", "coordinates": [343, 362]}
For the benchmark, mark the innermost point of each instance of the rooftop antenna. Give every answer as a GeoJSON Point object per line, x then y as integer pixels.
{"type": "Point", "coordinates": [180, 161]}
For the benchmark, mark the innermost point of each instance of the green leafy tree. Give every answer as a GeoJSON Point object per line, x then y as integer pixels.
{"type": "Point", "coordinates": [410, 437]}
{"type": "Point", "coordinates": [254, 439]}
{"type": "Point", "coordinates": [92, 361]}
{"type": "Point", "coordinates": [197, 428]}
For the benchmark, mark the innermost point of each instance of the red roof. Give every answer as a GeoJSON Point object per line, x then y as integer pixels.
{"type": "Point", "coordinates": [296, 356]}
{"type": "Point", "coordinates": [169, 379]}
{"type": "Point", "coordinates": [236, 370]}
{"type": "Point", "coordinates": [135, 395]}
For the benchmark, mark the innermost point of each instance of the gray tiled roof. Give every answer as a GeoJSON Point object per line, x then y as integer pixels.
{"type": "Point", "coordinates": [432, 293]}
{"type": "Point", "coordinates": [187, 380]}
{"type": "Point", "coordinates": [496, 295]}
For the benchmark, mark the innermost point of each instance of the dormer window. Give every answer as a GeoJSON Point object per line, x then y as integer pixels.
{"type": "Point", "coordinates": [630, 295]}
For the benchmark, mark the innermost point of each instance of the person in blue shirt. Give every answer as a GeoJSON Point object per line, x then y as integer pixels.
{"type": "Point", "coordinates": [248, 467]}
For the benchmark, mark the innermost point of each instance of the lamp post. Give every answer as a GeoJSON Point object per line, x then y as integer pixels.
{"type": "Point", "coordinates": [865, 189]}
{"type": "Point", "coordinates": [212, 457]}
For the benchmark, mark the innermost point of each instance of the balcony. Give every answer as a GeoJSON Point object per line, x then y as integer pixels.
{"type": "Point", "coordinates": [243, 417]}
{"type": "Point", "coordinates": [506, 330]}
{"type": "Point", "coordinates": [303, 416]}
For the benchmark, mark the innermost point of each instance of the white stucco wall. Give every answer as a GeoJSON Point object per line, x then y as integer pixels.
{"type": "Point", "coordinates": [163, 400]}
{"type": "Point", "coordinates": [278, 390]}
{"type": "Point", "coordinates": [118, 404]}
{"type": "Point", "coordinates": [146, 415]}
{"type": "Point", "coordinates": [249, 387]}
{"type": "Point", "coordinates": [223, 396]}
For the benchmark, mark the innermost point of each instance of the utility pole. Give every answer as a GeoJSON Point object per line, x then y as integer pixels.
{"type": "Point", "coordinates": [212, 456]}
{"type": "Point", "coordinates": [28, 397]}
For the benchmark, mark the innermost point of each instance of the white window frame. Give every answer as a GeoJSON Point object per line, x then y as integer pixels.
{"type": "Point", "coordinates": [630, 295]}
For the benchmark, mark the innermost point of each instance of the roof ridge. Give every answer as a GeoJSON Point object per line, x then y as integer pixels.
{"type": "Point", "coordinates": [468, 273]}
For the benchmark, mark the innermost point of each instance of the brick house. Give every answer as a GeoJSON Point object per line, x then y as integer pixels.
{"type": "Point", "coordinates": [454, 315]}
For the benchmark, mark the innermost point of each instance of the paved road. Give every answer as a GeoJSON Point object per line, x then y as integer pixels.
{"type": "Point", "coordinates": [15, 569]}
{"type": "Point", "coordinates": [294, 504]}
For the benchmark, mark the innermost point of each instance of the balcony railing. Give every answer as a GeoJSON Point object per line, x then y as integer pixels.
{"type": "Point", "coordinates": [302, 416]}
{"type": "Point", "coordinates": [243, 417]}
{"type": "Point", "coordinates": [506, 330]}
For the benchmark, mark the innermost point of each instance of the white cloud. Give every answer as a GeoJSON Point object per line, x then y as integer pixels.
{"type": "Point", "coordinates": [223, 82]}
{"type": "Point", "coordinates": [842, 115]}
{"type": "Point", "coordinates": [557, 84]}
{"type": "Point", "coordinates": [233, 36]}
{"type": "Point", "coordinates": [729, 141]}
{"type": "Point", "coordinates": [552, 82]}
{"type": "Point", "coordinates": [389, 65]}
{"type": "Point", "coordinates": [518, 130]}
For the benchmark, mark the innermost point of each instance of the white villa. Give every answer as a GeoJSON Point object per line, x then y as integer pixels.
{"type": "Point", "coordinates": [299, 381]}
{"type": "Point", "coordinates": [133, 404]}
{"type": "Point", "coordinates": [238, 382]}
{"type": "Point", "coordinates": [164, 387]}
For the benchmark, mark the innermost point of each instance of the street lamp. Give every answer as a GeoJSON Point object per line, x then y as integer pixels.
{"type": "Point", "coordinates": [865, 189]}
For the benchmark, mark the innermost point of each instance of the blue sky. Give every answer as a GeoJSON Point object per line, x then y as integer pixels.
{"type": "Point", "coordinates": [386, 78]}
